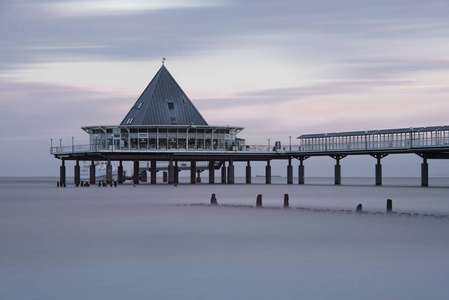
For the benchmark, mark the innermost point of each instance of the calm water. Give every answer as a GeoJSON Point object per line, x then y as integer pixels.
{"type": "Point", "coordinates": [147, 242]}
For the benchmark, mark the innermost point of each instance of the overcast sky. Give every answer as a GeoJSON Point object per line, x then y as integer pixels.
{"type": "Point", "coordinates": [279, 68]}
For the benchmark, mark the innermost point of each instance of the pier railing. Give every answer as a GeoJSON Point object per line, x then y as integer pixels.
{"type": "Point", "coordinates": [114, 148]}
{"type": "Point", "coordinates": [324, 145]}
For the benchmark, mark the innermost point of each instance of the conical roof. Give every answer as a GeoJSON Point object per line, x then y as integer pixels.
{"type": "Point", "coordinates": [163, 102]}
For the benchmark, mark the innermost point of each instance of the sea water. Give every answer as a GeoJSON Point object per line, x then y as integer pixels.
{"type": "Point", "coordinates": [165, 241]}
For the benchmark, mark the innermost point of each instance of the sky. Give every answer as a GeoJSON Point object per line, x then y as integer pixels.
{"type": "Point", "coordinates": [279, 68]}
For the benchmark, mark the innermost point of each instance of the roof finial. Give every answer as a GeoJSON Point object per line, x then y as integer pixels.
{"type": "Point", "coordinates": [163, 60]}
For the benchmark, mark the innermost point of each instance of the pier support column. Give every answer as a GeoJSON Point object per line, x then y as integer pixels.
{"type": "Point", "coordinates": [92, 175]}
{"type": "Point", "coordinates": [193, 172]}
{"type": "Point", "coordinates": [301, 174]}
{"type": "Point", "coordinates": [338, 168]}
{"type": "Point", "coordinates": [231, 172]}
{"type": "Point", "coordinates": [120, 175]}
{"type": "Point", "coordinates": [378, 173]}
{"type": "Point", "coordinates": [223, 173]}
{"type": "Point", "coordinates": [424, 173]}
{"type": "Point", "coordinates": [62, 173]}
{"type": "Point", "coordinates": [289, 172]}
{"type": "Point", "coordinates": [171, 172]}
{"type": "Point", "coordinates": [248, 173]}
{"type": "Point", "coordinates": [176, 173]}
{"type": "Point", "coordinates": [337, 173]}
{"type": "Point", "coordinates": [109, 172]}
{"type": "Point", "coordinates": [211, 172]}
{"type": "Point", "coordinates": [77, 173]}
{"type": "Point", "coordinates": [378, 157]}
{"type": "Point", "coordinates": [136, 172]}
{"type": "Point", "coordinates": [153, 172]}
{"type": "Point", "coordinates": [198, 176]}
{"type": "Point", "coordinates": [268, 173]}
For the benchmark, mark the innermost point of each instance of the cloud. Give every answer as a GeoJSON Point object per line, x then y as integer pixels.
{"type": "Point", "coordinates": [35, 111]}
{"type": "Point", "coordinates": [115, 7]}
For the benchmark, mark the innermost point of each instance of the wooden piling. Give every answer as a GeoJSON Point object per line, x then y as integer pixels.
{"type": "Point", "coordinates": [286, 201]}
{"type": "Point", "coordinates": [259, 201]}
{"type": "Point", "coordinates": [359, 209]}
{"type": "Point", "coordinates": [389, 206]}
{"type": "Point", "coordinates": [213, 200]}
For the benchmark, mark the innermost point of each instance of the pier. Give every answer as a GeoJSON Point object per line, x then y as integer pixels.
{"type": "Point", "coordinates": [164, 126]}
{"type": "Point", "coordinates": [426, 142]}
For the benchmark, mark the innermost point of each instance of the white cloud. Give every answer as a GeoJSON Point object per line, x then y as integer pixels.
{"type": "Point", "coordinates": [116, 7]}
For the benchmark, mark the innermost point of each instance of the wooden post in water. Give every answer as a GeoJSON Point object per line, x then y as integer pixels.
{"type": "Point", "coordinates": [389, 206]}
{"type": "Point", "coordinates": [213, 200]}
{"type": "Point", "coordinates": [359, 209]}
{"type": "Point", "coordinates": [259, 201]}
{"type": "Point", "coordinates": [286, 201]}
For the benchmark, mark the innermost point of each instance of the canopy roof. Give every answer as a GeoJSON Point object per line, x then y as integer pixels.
{"type": "Point", "coordinates": [375, 132]}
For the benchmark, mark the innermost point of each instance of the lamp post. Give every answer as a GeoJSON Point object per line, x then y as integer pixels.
{"type": "Point", "coordinates": [51, 145]}
{"type": "Point", "coordinates": [268, 145]}
{"type": "Point", "coordinates": [290, 138]}
{"type": "Point", "coordinates": [72, 144]}
{"type": "Point", "coordinates": [60, 142]}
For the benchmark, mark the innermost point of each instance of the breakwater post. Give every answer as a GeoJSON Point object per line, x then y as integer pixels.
{"type": "Point", "coordinates": [286, 201]}
{"type": "Point", "coordinates": [389, 206]}
{"type": "Point", "coordinates": [259, 201]}
{"type": "Point", "coordinates": [213, 200]}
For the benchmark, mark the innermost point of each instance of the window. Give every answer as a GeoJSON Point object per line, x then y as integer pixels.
{"type": "Point", "coordinates": [173, 120]}
{"type": "Point", "coordinates": [171, 105]}
{"type": "Point", "coordinates": [129, 121]}
{"type": "Point", "coordinates": [139, 106]}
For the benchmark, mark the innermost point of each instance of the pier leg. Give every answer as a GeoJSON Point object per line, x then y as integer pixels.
{"type": "Point", "coordinates": [176, 173]}
{"type": "Point", "coordinates": [211, 172]}
{"type": "Point", "coordinates": [136, 172]}
{"type": "Point", "coordinates": [143, 176]}
{"type": "Point", "coordinates": [109, 173]}
{"type": "Point", "coordinates": [198, 177]}
{"type": "Point", "coordinates": [231, 173]}
{"type": "Point", "coordinates": [171, 173]}
{"type": "Point", "coordinates": [120, 177]}
{"type": "Point", "coordinates": [378, 157]}
{"type": "Point", "coordinates": [337, 172]}
{"type": "Point", "coordinates": [378, 172]}
{"type": "Point", "coordinates": [92, 175]}
{"type": "Point", "coordinates": [424, 173]}
{"type": "Point", "coordinates": [289, 172]}
{"type": "Point", "coordinates": [223, 173]}
{"type": "Point", "coordinates": [62, 173]}
{"type": "Point", "coordinates": [248, 173]}
{"type": "Point", "coordinates": [268, 173]}
{"type": "Point", "coordinates": [301, 172]}
{"type": "Point", "coordinates": [193, 172]}
{"type": "Point", "coordinates": [338, 168]}
{"type": "Point", "coordinates": [77, 173]}
{"type": "Point", "coordinates": [153, 172]}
